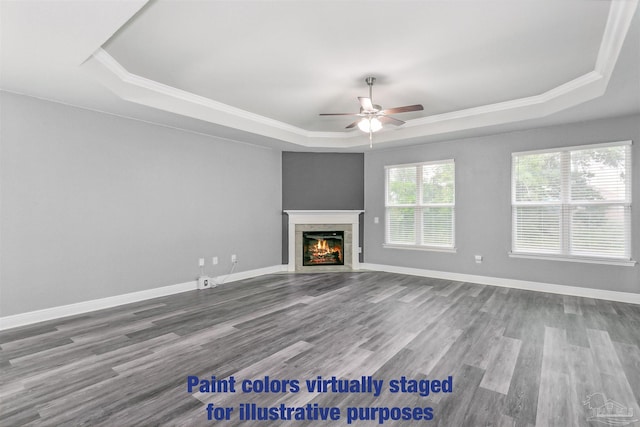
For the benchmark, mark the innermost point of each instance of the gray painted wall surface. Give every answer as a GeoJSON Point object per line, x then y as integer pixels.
{"type": "Point", "coordinates": [321, 181]}
{"type": "Point", "coordinates": [483, 209]}
{"type": "Point", "coordinates": [94, 205]}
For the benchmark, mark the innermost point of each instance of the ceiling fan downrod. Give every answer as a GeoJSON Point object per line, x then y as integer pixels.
{"type": "Point", "coordinates": [370, 80]}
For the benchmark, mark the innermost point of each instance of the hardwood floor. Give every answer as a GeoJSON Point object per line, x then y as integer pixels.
{"type": "Point", "coordinates": [515, 357]}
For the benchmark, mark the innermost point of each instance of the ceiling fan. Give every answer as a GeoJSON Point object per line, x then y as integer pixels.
{"type": "Point", "coordinates": [373, 117]}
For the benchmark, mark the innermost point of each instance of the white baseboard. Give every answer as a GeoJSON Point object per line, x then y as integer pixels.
{"type": "Point", "coordinates": [52, 313]}
{"type": "Point", "coordinates": [242, 275]}
{"type": "Point", "coordinates": [30, 317]}
{"type": "Point", "coordinates": [627, 297]}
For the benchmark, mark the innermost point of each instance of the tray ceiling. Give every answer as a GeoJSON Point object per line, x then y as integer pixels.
{"type": "Point", "coordinates": [262, 71]}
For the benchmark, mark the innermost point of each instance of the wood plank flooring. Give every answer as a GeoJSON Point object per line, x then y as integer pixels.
{"type": "Point", "coordinates": [517, 358]}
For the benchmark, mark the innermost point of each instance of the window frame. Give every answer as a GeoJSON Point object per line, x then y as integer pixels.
{"type": "Point", "coordinates": [566, 205]}
{"type": "Point", "coordinates": [418, 209]}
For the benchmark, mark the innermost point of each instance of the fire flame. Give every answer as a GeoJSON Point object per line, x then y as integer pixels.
{"type": "Point", "coordinates": [324, 252]}
{"type": "Point", "coordinates": [322, 246]}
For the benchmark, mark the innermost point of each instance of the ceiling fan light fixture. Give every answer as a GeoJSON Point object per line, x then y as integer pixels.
{"type": "Point", "coordinates": [369, 124]}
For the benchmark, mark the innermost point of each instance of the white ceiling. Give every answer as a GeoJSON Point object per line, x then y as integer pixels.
{"type": "Point", "coordinates": [261, 71]}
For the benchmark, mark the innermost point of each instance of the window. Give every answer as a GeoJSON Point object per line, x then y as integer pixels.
{"type": "Point", "coordinates": [420, 205]}
{"type": "Point", "coordinates": [573, 202]}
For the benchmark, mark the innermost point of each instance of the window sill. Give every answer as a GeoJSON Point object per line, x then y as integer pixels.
{"type": "Point", "coordinates": [419, 248]}
{"type": "Point", "coordinates": [608, 261]}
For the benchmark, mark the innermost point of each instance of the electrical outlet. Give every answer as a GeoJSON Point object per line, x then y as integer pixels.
{"type": "Point", "coordinates": [234, 258]}
{"type": "Point", "coordinates": [376, 220]}
{"type": "Point", "coordinates": [201, 262]}
{"type": "Point", "coordinates": [205, 282]}
{"type": "Point", "coordinates": [478, 259]}
{"type": "Point", "coordinates": [214, 260]}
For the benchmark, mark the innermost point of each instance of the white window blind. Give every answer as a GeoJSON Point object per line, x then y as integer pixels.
{"type": "Point", "coordinates": [573, 202]}
{"type": "Point", "coordinates": [420, 205]}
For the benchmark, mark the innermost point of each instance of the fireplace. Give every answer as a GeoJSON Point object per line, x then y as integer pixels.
{"type": "Point", "coordinates": [323, 224]}
{"type": "Point", "coordinates": [322, 248]}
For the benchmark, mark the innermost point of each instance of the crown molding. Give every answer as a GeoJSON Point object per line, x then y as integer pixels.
{"type": "Point", "coordinates": [618, 23]}
{"type": "Point", "coordinates": [141, 90]}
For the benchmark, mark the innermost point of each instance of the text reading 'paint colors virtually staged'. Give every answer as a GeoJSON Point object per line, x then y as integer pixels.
{"type": "Point", "coordinates": [248, 411]}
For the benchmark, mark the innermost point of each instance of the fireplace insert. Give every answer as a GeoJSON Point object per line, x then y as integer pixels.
{"type": "Point", "coordinates": [322, 248]}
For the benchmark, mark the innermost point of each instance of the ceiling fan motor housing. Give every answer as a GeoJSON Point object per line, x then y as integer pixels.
{"type": "Point", "coordinates": [376, 108]}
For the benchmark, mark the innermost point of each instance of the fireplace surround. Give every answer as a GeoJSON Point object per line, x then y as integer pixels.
{"type": "Point", "coordinates": [319, 222]}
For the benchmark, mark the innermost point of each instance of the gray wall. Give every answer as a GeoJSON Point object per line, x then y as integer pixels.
{"type": "Point", "coordinates": [321, 181]}
{"type": "Point", "coordinates": [483, 210]}
{"type": "Point", "coordinates": [94, 205]}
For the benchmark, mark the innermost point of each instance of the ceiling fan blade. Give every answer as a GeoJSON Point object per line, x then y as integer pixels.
{"type": "Point", "coordinates": [339, 114]}
{"type": "Point", "coordinates": [405, 109]}
{"type": "Point", "coordinates": [390, 120]}
{"type": "Point", "coordinates": [352, 125]}
{"type": "Point", "coordinates": [366, 103]}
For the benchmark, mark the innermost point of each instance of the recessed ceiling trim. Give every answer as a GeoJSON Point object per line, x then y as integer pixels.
{"type": "Point", "coordinates": [583, 82]}
{"type": "Point", "coordinates": [620, 14]}
{"type": "Point", "coordinates": [591, 85]}
{"type": "Point", "coordinates": [131, 87]}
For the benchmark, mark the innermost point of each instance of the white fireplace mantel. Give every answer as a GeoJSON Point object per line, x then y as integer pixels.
{"type": "Point", "coordinates": [324, 217]}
